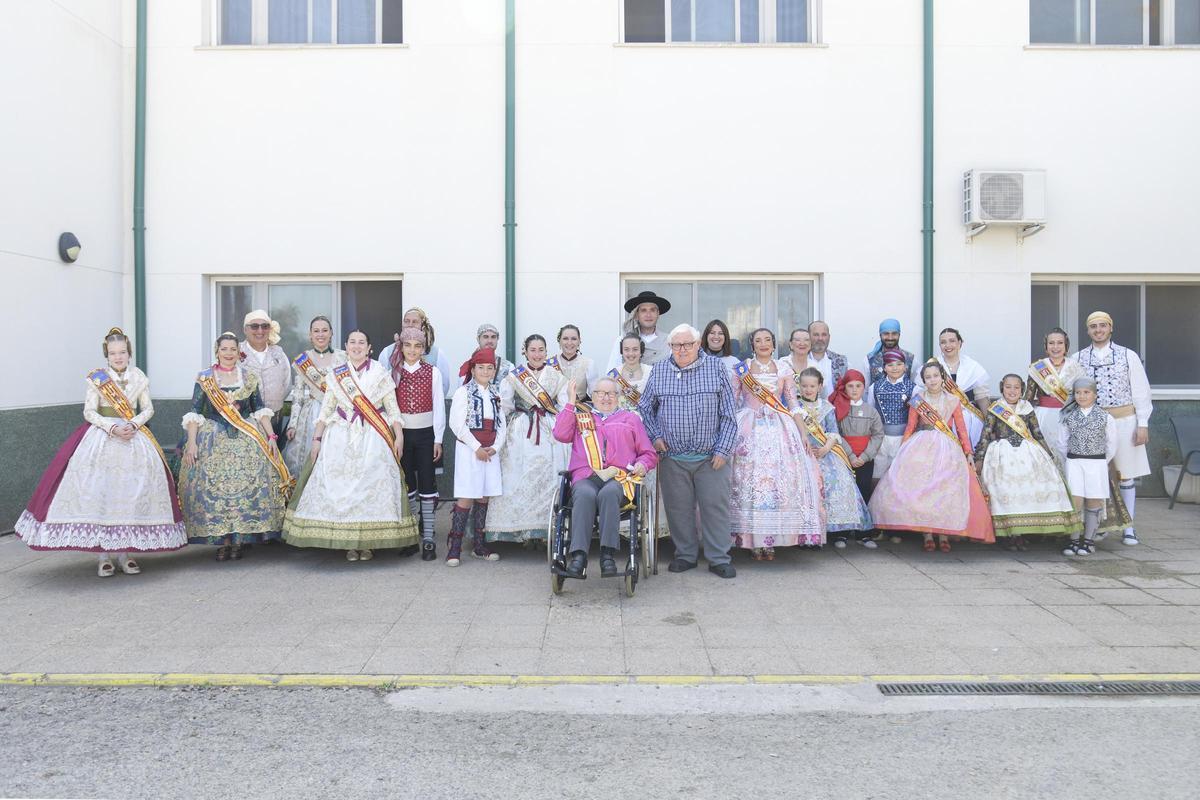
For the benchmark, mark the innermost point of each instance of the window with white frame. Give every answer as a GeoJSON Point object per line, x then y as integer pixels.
{"type": "Point", "coordinates": [744, 21]}
{"type": "Point", "coordinates": [1154, 319]}
{"type": "Point", "coordinates": [264, 22]}
{"type": "Point", "coordinates": [1114, 22]}
{"type": "Point", "coordinates": [373, 306]}
{"type": "Point", "coordinates": [741, 304]}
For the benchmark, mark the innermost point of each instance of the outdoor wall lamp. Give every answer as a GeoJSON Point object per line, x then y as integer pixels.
{"type": "Point", "coordinates": [69, 247]}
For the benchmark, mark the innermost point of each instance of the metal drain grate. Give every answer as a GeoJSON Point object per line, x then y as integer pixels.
{"type": "Point", "coordinates": [1041, 688]}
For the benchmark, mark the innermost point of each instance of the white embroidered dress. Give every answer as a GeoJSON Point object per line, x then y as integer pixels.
{"type": "Point", "coordinates": [306, 400]}
{"type": "Point", "coordinates": [354, 498]}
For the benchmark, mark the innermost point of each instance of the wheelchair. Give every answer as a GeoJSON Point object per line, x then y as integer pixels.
{"type": "Point", "coordinates": [643, 544]}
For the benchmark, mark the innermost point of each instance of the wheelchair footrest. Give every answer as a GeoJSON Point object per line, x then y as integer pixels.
{"type": "Point", "coordinates": [560, 570]}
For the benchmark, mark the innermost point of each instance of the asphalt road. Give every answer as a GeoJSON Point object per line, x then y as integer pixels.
{"type": "Point", "coordinates": [584, 742]}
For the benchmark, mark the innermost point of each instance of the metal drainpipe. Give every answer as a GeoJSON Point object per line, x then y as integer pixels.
{"type": "Point", "coordinates": [927, 189]}
{"type": "Point", "coordinates": [510, 181]}
{"type": "Point", "coordinates": [139, 190]}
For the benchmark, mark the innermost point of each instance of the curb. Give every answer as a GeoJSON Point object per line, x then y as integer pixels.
{"type": "Point", "coordinates": [394, 682]}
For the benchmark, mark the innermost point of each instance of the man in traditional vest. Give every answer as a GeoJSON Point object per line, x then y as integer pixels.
{"type": "Point", "coordinates": [1123, 390]}
{"type": "Point", "coordinates": [644, 309]}
{"type": "Point", "coordinates": [889, 339]}
{"type": "Point", "coordinates": [832, 365]}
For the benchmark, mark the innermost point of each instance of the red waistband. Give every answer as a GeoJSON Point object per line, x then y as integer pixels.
{"type": "Point", "coordinates": [857, 443]}
{"type": "Point", "coordinates": [1047, 401]}
{"type": "Point", "coordinates": [486, 435]}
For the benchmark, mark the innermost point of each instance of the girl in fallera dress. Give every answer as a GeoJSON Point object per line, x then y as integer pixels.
{"type": "Point", "coordinates": [845, 509]}
{"type": "Point", "coordinates": [108, 489]}
{"type": "Point", "coordinates": [1060, 372]}
{"type": "Point", "coordinates": [573, 364]}
{"type": "Point", "coordinates": [310, 369]}
{"type": "Point", "coordinates": [531, 457]}
{"type": "Point", "coordinates": [353, 496]}
{"type": "Point", "coordinates": [480, 431]}
{"type": "Point", "coordinates": [1025, 490]}
{"type": "Point", "coordinates": [423, 416]}
{"type": "Point", "coordinates": [931, 486]}
{"type": "Point", "coordinates": [775, 499]}
{"type": "Point", "coordinates": [233, 483]}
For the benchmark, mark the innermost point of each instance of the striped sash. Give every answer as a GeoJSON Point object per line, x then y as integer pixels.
{"type": "Point", "coordinates": [586, 424]}
{"type": "Point", "coordinates": [344, 375]}
{"type": "Point", "coordinates": [1048, 380]}
{"type": "Point", "coordinates": [933, 418]}
{"type": "Point", "coordinates": [953, 389]}
{"type": "Point", "coordinates": [109, 390]}
{"type": "Point", "coordinates": [628, 389]}
{"type": "Point", "coordinates": [221, 403]}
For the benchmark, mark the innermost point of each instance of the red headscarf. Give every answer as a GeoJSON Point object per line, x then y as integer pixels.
{"type": "Point", "coordinates": [893, 355]}
{"type": "Point", "coordinates": [839, 398]}
{"type": "Point", "coordinates": [483, 355]}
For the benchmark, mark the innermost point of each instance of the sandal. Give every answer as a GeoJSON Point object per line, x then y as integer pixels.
{"type": "Point", "coordinates": [768, 554]}
{"type": "Point", "coordinates": [223, 553]}
{"type": "Point", "coordinates": [235, 552]}
{"type": "Point", "coordinates": [352, 555]}
{"type": "Point", "coordinates": [129, 566]}
{"type": "Point", "coordinates": [929, 545]}
{"type": "Point", "coordinates": [366, 555]}
{"type": "Point", "coordinates": [105, 569]}
{"type": "Point", "coordinates": [944, 546]}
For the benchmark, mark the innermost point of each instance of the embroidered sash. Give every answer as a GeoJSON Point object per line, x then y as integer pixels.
{"type": "Point", "coordinates": [817, 432]}
{"type": "Point", "coordinates": [931, 416]}
{"type": "Point", "coordinates": [1048, 380]}
{"type": "Point", "coordinates": [1012, 419]}
{"type": "Point", "coordinates": [628, 389]}
{"type": "Point", "coordinates": [363, 407]}
{"type": "Point", "coordinates": [586, 424]}
{"type": "Point", "coordinates": [761, 393]}
{"type": "Point", "coordinates": [310, 371]}
{"type": "Point", "coordinates": [109, 390]}
{"type": "Point", "coordinates": [530, 382]}
{"type": "Point", "coordinates": [553, 362]}
{"type": "Point", "coordinates": [221, 403]}
{"type": "Point", "coordinates": [953, 389]}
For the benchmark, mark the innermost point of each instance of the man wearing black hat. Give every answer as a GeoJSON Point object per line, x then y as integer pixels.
{"type": "Point", "coordinates": [644, 311]}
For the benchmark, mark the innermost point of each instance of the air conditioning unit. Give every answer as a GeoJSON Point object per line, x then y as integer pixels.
{"type": "Point", "coordinates": [1014, 197]}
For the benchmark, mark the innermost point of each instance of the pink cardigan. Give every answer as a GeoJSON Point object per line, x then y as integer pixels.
{"type": "Point", "coordinates": [623, 441]}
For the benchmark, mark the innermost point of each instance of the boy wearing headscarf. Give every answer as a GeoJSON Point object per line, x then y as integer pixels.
{"type": "Point", "coordinates": [862, 427]}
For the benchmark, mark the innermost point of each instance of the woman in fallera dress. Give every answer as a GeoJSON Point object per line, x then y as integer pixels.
{"type": "Point", "coordinates": [717, 343]}
{"type": "Point", "coordinates": [530, 398]}
{"type": "Point", "coordinates": [572, 363]}
{"type": "Point", "coordinates": [775, 500]}
{"type": "Point", "coordinates": [108, 490]}
{"type": "Point", "coordinates": [233, 483]}
{"type": "Point", "coordinates": [971, 379]}
{"type": "Point", "coordinates": [354, 498]}
{"type": "Point", "coordinates": [931, 486]}
{"type": "Point", "coordinates": [311, 370]}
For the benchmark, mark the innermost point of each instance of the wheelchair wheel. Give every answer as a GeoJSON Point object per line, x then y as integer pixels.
{"type": "Point", "coordinates": [631, 579]}
{"type": "Point", "coordinates": [556, 583]}
{"type": "Point", "coordinates": [649, 540]}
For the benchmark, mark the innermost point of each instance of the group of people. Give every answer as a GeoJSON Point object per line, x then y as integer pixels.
{"type": "Point", "coordinates": [334, 449]}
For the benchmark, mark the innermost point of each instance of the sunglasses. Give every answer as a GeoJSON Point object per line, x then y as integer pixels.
{"type": "Point", "coordinates": [258, 326]}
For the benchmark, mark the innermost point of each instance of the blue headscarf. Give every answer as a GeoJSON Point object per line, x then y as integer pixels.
{"type": "Point", "coordinates": [889, 325]}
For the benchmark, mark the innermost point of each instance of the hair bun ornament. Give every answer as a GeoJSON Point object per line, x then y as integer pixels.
{"type": "Point", "coordinates": [114, 332]}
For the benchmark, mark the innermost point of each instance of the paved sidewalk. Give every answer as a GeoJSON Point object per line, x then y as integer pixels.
{"type": "Point", "coordinates": [897, 610]}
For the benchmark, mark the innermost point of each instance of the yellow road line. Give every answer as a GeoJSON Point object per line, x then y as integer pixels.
{"type": "Point", "coordinates": [119, 679]}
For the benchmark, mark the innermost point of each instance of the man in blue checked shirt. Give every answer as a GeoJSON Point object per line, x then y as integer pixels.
{"type": "Point", "coordinates": [687, 407]}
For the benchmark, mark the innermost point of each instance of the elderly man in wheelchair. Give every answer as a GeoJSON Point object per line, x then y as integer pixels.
{"type": "Point", "coordinates": [610, 454]}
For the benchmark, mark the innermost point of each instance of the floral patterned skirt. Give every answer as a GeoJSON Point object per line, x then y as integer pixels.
{"type": "Point", "coordinates": [775, 498]}
{"type": "Point", "coordinates": [1026, 492]}
{"type": "Point", "coordinates": [230, 495]}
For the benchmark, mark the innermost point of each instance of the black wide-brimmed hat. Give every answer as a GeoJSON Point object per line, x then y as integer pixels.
{"type": "Point", "coordinates": [664, 305]}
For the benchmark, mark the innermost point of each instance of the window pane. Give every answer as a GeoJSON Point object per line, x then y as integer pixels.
{"type": "Point", "coordinates": [681, 20]}
{"type": "Point", "coordinates": [1155, 22]}
{"type": "Point", "coordinates": [793, 304]}
{"type": "Point", "coordinates": [1119, 22]}
{"type": "Point", "coordinates": [393, 21]}
{"type": "Point", "coordinates": [1060, 21]}
{"type": "Point", "coordinates": [234, 302]}
{"type": "Point", "coordinates": [1187, 21]}
{"type": "Point", "coordinates": [322, 21]}
{"type": "Point", "coordinates": [293, 305]}
{"type": "Point", "coordinates": [714, 20]}
{"type": "Point", "coordinates": [680, 296]}
{"type": "Point", "coordinates": [1123, 304]}
{"type": "Point", "coordinates": [1172, 357]}
{"type": "Point", "coordinates": [235, 23]}
{"type": "Point", "coordinates": [749, 21]}
{"type": "Point", "coordinates": [356, 21]}
{"type": "Point", "coordinates": [738, 305]}
{"type": "Point", "coordinates": [791, 20]}
{"type": "Point", "coordinates": [375, 307]}
{"type": "Point", "coordinates": [1044, 310]}
{"type": "Point", "coordinates": [645, 21]}
{"type": "Point", "coordinates": [287, 21]}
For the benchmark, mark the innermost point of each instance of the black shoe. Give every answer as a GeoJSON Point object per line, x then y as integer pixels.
{"type": "Point", "coordinates": [722, 570]}
{"type": "Point", "coordinates": [577, 565]}
{"type": "Point", "coordinates": [608, 563]}
{"type": "Point", "coordinates": [411, 550]}
{"type": "Point", "coordinates": [679, 565]}
{"type": "Point", "coordinates": [428, 550]}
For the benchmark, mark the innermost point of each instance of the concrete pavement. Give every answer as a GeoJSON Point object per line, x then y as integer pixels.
{"type": "Point", "coordinates": [897, 610]}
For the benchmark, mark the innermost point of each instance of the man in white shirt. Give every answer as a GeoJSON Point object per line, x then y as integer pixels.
{"type": "Point", "coordinates": [832, 365]}
{"type": "Point", "coordinates": [1124, 392]}
{"type": "Point", "coordinates": [644, 310]}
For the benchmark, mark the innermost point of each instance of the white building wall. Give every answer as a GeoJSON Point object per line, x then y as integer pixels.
{"type": "Point", "coordinates": [62, 168]}
{"type": "Point", "coordinates": [636, 160]}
